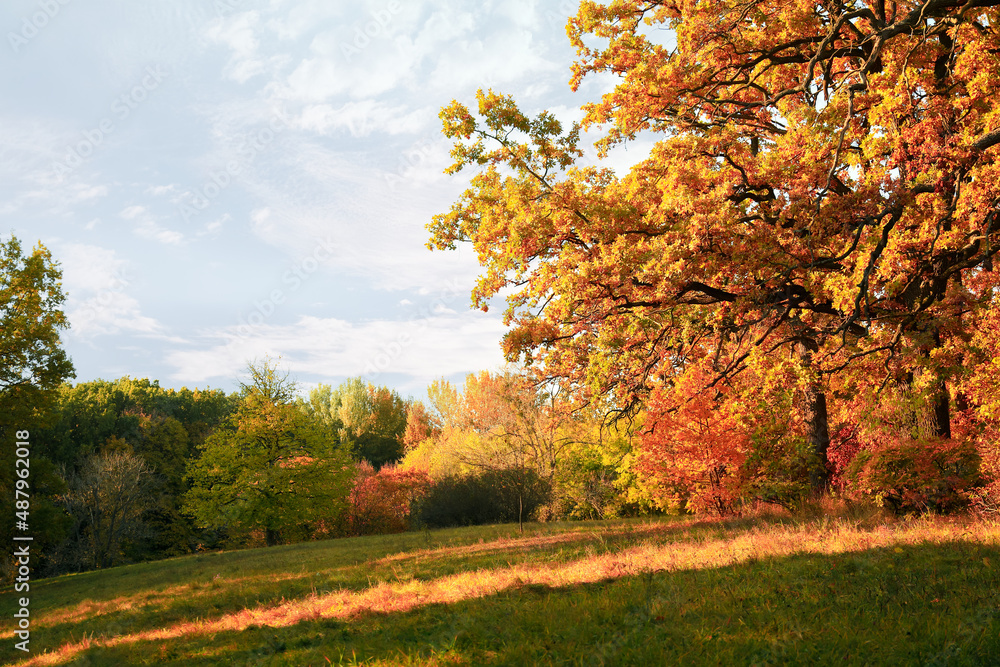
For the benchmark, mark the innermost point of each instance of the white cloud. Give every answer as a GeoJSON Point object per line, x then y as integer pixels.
{"type": "Point", "coordinates": [214, 227]}
{"type": "Point", "coordinates": [239, 34]}
{"type": "Point", "coordinates": [148, 228]}
{"type": "Point", "coordinates": [362, 118]}
{"type": "Point", "coordinates": [354, 170]}
{"type": "Point", "coordinates": [133, 212]}
{"type": "Point", "coordinates": [96, 283]}
{"type": "Point", "coordinates": [423, 348]}
{"type": "Point", "coordinates": [84, 192]}
{"type": "Point", "coordinates": [160, 190]}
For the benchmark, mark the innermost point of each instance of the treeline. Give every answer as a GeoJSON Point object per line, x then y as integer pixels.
{"type": "Point", "coordinates": [108, 471]}
{"type": "Point", "coordinates": [126, 470]}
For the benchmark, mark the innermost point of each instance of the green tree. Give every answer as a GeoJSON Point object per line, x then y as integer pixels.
{"type": "Point", "coordinates": [136, 415]}
{"type": "Point", "coordinates": [32, 366]}
{"type": "Point", "coordinates": [31, 357]}
{"type": "Point", "coordinates": [370, 420]}
{"type": "Point", "coordinates": [270, 466]}
{"type": "Point", "coordinates": [164, 445]}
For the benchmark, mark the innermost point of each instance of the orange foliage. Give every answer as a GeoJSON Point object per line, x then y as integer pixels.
{"type": "Point", "coordinates": [691, 454]}
{"type": "Point", "coordinates": [380, 501]}
{"type": "Point", "coordinates": [823, 183]}
{"type": "Point", "coordinates": [420, 425]}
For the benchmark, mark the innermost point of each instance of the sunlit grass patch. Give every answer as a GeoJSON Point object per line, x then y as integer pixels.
{"type": "Point", "coordinates": [775, 588]}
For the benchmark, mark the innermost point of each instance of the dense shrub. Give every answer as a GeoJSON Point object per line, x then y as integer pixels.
{"type": "Point", "coordinates": [845, 444]}
{"type": "Point", "coordinates": [691, 453]}
{"type": "Point", "coordinates": [492, 496]}
{"type": "Point", "coordinates": [779, 470]}
{"type": "Point", "coordinates": [380, 502]}
{"type": "Point", "coordinates": [986, 434]}
{"type": "Point", "coordinates": [908, 475]}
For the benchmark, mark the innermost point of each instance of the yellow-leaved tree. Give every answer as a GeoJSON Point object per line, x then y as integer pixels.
{"type": "Point", "coordinates": [823, 188]}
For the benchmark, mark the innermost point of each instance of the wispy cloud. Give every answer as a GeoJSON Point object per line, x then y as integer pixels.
{"type": "Point", "coordinates": [97, 285]}
{"type": "Point", "coordinates": [423, 348]}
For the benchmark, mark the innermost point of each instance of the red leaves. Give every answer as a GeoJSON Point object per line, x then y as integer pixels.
{"type": "Point", "coordinates": [692, 451]}
{"type": "Point", "coordinates": [380, 502]}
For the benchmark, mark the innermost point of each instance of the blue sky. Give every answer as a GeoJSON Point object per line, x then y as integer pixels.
{"type": "Point", "coordinates": [227, 179]}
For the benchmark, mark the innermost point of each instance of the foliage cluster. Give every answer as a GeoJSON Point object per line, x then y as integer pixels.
{"type": "Point", "coordinates": [501, 423]}
{"type": "Point", "coordinates": [370, 420]}
{"type": "Point", "coordinates": [490, 496]}
{"type": "Point", "coordinates": [380, 501]}
{"type": "Point", "coordinates": [793, 292]}
{"type": "Point", "coordinates": [269, 467]}
{"type": "Point", "coordinates": [813, 230]}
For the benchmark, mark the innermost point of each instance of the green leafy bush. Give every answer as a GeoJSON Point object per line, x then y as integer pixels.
{"type": "Point", "coordinates": [778, 470]}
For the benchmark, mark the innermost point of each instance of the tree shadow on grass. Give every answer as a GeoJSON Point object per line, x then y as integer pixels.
{"type": "Point", "coordinates": [925, 604]}
{"type": "Point", "coordinates": [217, 584]}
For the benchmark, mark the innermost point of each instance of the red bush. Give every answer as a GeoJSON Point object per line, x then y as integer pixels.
{"type": "Point", "coordinates": [907, 475]}
{"type": "Point", "coordinates": [845, 443]}
{"type": "Point", "coordinates": [380, 501]}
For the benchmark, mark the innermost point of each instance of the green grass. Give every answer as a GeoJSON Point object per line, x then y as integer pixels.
{"type": "Point", "coordinates": [764, 591]}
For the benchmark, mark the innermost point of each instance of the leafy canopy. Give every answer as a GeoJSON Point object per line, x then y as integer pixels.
{"type": "Point", "coordinates": [825, 181]}
{"type": "Point", "coordinates": [270, 467]}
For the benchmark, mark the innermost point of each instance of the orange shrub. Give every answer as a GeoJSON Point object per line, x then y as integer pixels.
{"type": "Point", "coordinates": [690, 457]}
{"type": "Point", "coordinates": [380, 501]}
{"type": "Point", "coordinates": [908, 475]}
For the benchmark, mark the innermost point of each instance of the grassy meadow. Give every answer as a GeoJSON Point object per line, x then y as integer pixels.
{"type": "Point", "coordinates": [769, 590]}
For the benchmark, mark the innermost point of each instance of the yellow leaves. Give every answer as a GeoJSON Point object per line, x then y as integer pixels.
{"type": "Point", "coordinates": [457, 120]}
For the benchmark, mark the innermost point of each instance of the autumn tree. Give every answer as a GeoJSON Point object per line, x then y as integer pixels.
{"type": "Point", "coordinates": [270, 467]}
{"type": "Point", "coordinates": [380, 501]}
{"type": "Point", "coordinates": [32, 360]}
{"type": "Point", "coordinates": [420, 425]}
{"type": "Point", "coordinates": [371, 420]}
{"type": "Point", "coordinates": [501, 424]}
{"type": "Point", "coordinates": [499, 421]}
{"type": "Point", "coordinates": [824, 185]}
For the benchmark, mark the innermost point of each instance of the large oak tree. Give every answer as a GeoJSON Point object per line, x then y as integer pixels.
{"type": "Point", "coordinates": [824, 185]}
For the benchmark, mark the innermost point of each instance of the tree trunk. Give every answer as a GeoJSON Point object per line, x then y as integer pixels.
{"type": "Point", "coordinates": [520, 511]}
{"type": "Point", "coordinates": [941, 400]}
{"type": "Point", "coordinates": [270, 537]}
{"type": "Point", "coordinates": [814, 414]}
{"type": "Point", "coordinates": [939, 410]}
{"type": "Point", "coordinates": [942, 411]}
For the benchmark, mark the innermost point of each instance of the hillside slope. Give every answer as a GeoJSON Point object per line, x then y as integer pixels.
{"type": "Point", "coordinates": [765, 591]}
